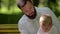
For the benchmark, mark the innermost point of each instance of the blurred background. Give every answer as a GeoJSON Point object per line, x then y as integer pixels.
{"type": "Point", "coordinates": [10, 13]}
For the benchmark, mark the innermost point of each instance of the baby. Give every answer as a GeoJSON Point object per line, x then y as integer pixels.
{"type": "Point", "coordinates": [46, 26]}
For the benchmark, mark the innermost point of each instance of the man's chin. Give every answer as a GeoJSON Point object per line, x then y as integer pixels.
{"type": "Point", "coordinates": [45, 30]}
{"type": "Point", "coordinates": [31, 17]}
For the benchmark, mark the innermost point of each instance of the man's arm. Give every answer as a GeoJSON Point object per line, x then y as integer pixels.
{"type": "Point", "coordinates": [55, 20]}
{"type": "Point", "coordinates": [22, 28]}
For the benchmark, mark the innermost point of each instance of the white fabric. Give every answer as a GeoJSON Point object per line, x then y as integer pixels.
{"type": "Point", "coordinates": [29, 26]}
{"type": "Point", "coordinates": [53, 30]}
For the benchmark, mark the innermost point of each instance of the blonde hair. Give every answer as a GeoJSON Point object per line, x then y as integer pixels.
{"type": "Point", "coordinates": [47, 18]}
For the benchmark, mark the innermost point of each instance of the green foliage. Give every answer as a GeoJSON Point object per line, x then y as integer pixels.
{"type": "Point", "coordinates": [59, 18]}
{"type": "Point", "coordinates": [54, 5]}
{"type": "Point", "coordinates": [10, 19]}
{"type": "Point", "coordinates": [9, 12]}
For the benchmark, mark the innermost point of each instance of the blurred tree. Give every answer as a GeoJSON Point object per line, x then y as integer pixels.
{"type": "Point", "coordinates": [0, 3]}
{"type": "Point", "coordinates": [35, 2]}
{"type": "Point", "coordinates": [10, 13]}
{"type": "Point", "coordinates": [5, 3]}
{"type": "Point", "coordinates": [11, 3]}
{"type": "Point", "coordinates": [10, 6]}
{"type": "Point", "coordinates": [57, 12]}
{"type": "Point", "coordinates": [42, 3]}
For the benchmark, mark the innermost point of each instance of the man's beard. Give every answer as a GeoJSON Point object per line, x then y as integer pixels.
{"type": "Point", "coordinates": [33, 16]}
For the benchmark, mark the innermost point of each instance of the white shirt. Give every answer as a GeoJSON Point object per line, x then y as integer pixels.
{"type": "Point", "coordinates": [29, 26]}
{"type": "Point", "coordinates": [53, 30]}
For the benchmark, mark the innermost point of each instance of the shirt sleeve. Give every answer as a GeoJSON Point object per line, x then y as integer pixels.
{"type": "Point", "coordinates": [38, 32]}
{"type": "Point", "coordinates": [54, 20]}
{"type": "Point", "coordinates": [55, 30]}
{"type": "Point", "coordinates": [22, 28]}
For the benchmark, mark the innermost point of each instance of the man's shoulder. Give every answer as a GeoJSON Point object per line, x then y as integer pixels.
{"type": "Point", "coordinates": [42, 9]}
{"type": "Point", "coordinates": [23, 19]}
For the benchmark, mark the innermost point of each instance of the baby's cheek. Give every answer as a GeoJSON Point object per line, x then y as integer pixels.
{"type": "Point", "coordinates": [43, 27]}
{"type": "Point", "coordinates": [49, 28]}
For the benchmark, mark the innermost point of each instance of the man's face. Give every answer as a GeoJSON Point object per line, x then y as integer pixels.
{"type": "Point", "coordinates": [45, 25]}
{"type": "Point", "coordinates": [28, 9]}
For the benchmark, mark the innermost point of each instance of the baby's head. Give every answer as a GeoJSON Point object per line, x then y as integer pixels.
{"type": "Point", "coordinates": [45, 22]}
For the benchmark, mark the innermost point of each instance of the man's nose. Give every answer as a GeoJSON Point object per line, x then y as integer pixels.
{"type": "Point", "coordinates": [28, 9]}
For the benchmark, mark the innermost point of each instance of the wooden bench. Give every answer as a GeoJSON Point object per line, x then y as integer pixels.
{"type": "Point", "coordinates": [9, 29]}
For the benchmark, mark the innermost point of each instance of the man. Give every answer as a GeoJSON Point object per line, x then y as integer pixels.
{"type": "Point", "coordinates": [28, 24]}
